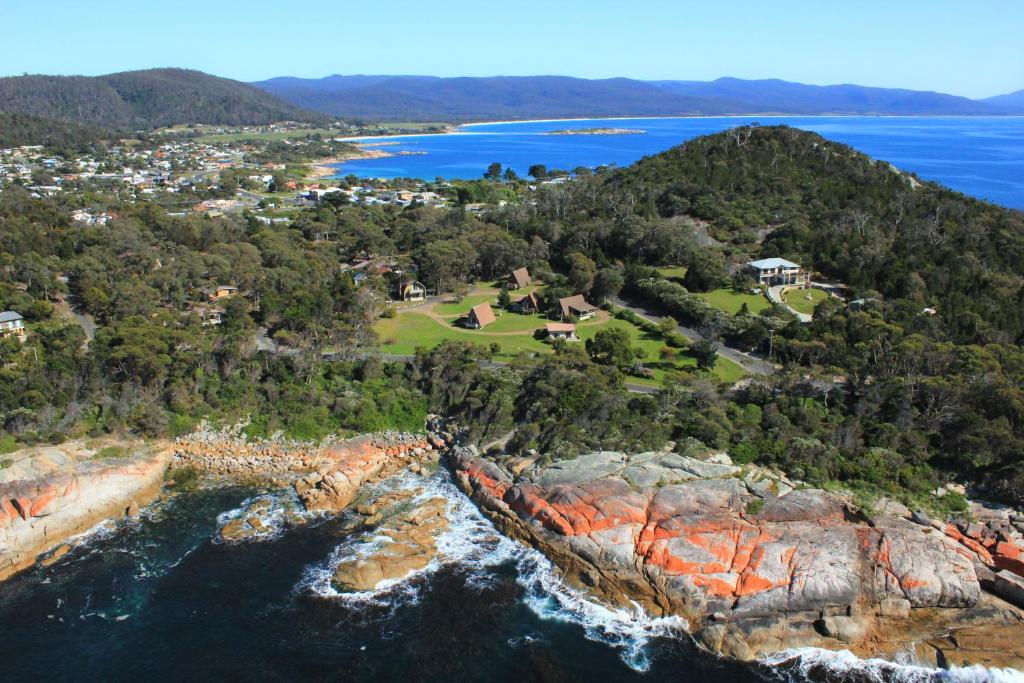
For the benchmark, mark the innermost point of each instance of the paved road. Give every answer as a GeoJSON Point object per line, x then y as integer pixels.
{"type": "Point", "coordinates": [751, 364]}
{"type": "Point", "coordinates": [775, 296]}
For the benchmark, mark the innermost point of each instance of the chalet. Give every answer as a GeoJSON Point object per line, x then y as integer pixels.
{"type": "Point", "coordinates": [221, 292]}
{"type": "Point", "coordinates": [12, 325]}
{"type": "Point", "coordinates": [576, 307]}
{"type": "Point", "coordinates": [777, 271]}
{"type": "Point", "coordinates": [519, 278]}
{"type": "Point", "coordinates": [479, 316]}
{"type": "Point", "coordinates": [411, 290]}
{"type": "Point", "coordinates": [564, 331]}
{"type": "Point", "coordinates": [528, 305]}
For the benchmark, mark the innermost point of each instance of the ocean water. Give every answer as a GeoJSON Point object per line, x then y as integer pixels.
{"type": "Point", "coordinates": [158, 599]}
{"type": "Point", "coordinates": [983, 157]}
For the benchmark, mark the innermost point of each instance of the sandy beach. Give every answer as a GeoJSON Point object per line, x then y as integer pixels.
{"type": "Point", "coordinates": [322, 168]}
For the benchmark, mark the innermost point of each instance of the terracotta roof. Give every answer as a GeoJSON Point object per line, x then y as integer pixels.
{"type": "Point", "coordinates": [575, 303]}
{"type": "Point", "coordinates": [521, 276]}
{"type": "Point", "coordinates": [532, 297]}
{"type": "Point", "coordinates": [560, 327]}
{"type": "Point", "coordinates": [483, 314]}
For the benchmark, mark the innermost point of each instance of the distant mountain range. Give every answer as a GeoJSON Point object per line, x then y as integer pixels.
{"type": "Point", "coordinates": [66, 109]}
{"type": "Point", "coordinates": [429, 98]}
{"type": "Point", "coordinates": [135, 100]}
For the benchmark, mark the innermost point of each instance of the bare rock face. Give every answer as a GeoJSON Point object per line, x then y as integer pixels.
{"type": "Point", "coordinates": [410, 545]}
{"type": "Point", "coordinates": [752, 562]}
{"type": "Point", "coordinates": [52, 493]}
{"type": "Point", "coordinates": [358, 461]}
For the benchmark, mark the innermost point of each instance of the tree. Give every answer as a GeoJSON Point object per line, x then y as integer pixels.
{"type": "Point", "coordinates": [493, 171]}
{"type": "Point", "coordinates": [611, 347]}
{"type": "Point", "coordinates": [581, 272]}
{"type": "Point", "coordinates": [538, 171]}
{"type": "Point", "coordinates": [504, 300]}
{"type": "Point", "coordinates": [608, 282]}
{"type": "Point", "coordinates": [706, 271]}
{"type": "Point", "coordinates": [667, 326]}
{"type": "Point", "coordinates": [706, 354]}
{"type": "Point", "coordinates": [510, 175]}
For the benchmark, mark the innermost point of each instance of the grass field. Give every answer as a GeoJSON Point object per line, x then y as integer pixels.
{"type": "Point", "coordinates": [804, 300]}
{"type": "Point", "coordinates": [672, 272]}
{"type": "Point", "coordinates": [512, 332]}
{"type": "Point", "coordinates": [731, 301]}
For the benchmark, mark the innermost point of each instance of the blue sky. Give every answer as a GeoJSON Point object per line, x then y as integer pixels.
{"type": "Point", "coordinates": [971, 48]}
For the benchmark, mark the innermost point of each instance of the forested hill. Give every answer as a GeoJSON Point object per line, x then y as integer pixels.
{"type": "Point", "coordinates": [135, 100]}
{"type": "Point", "coordinates": [858, 220]}
{"type": "Point", "coordinates": [429, 98]}
{"type": "Point", "coordinates": [22, 129]}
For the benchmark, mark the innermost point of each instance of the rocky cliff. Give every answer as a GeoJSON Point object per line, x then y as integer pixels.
{"type": "Point", "coordinates": [757, 564]}
{"type": "Point", "coordinates": [49, 494]}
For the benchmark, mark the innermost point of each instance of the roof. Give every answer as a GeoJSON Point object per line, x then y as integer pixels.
{"type": "Point", "coordinates": [10, 316]}
{"type": "Point", "coordinates": [521, 277]}
{"type": "Point", "coordinates": [560, 327]}
{"type": "Point", "coordinates": [532, 297]}
{"type": "Point", "coordinates": [769, 263]}
{"type": "Point", "coordinates": [575, 303]}
{"type": "Point", "coordinates": [483, 314]}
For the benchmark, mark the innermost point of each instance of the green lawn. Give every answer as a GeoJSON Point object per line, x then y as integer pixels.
{"type": "Point", "coordinates": [462, 308]}
{"type": "Point", "coordinates": [672, 272]}
{"type": "Point", "coordinates": [277, 135]}
{"type": "Point", "coordinates": [804, 300]}
{"type": "Point", "coordinates": [731, 301]}
{"type": "Point", "coordinates": [402, 334]}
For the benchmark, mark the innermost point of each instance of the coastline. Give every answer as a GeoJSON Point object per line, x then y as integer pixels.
{"type": "Point", "coordinates": [321, 169]}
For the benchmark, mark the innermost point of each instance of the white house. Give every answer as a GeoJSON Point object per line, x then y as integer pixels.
{"type": "Point", "coordinates": [12, 325]}
{"type": "Point", "coordinates": [777, 271]}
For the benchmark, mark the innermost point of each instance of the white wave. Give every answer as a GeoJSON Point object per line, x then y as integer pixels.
{"type": "Point", "coordinates": [283, 505]}
{"type": "Point", "coordinates": [472, 542]}
{"type": "Point", "coordinates": [810, 663]}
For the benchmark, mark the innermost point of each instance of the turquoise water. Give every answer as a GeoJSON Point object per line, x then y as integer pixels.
{"type": "Point", "coordinates": [983, 157]}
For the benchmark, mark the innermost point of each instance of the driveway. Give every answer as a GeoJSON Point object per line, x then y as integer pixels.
{"type": "Point", "coordinates": [775, 296]}
{"type": "Point", "coordinates": [751, 364]}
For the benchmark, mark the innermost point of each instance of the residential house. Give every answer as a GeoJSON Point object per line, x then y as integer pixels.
{"type": "Point", "coordinates": [777, 271]}
{"type": "Point", "coordinates": [528, 305]}
{"type": "Point", "coordinates": [411, 290]}
{"type": "Point", "coordinates": [12, 325]}
{"type": "Point", "coordinates": [576, 307]}
{"type": "Point", "coordinates": [564, 331]}
{"type": "Point", "coordinates": [519, 278]}
{"type": "Point", "coordinates": [221, 292]}
{"type": "Point", "coordinates": [479, 316]}
{"type": "Point", "coordinates": [209, 315]}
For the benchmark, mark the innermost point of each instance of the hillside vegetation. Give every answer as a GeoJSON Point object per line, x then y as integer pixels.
{"type": "Point", "coordinates": [153, 98]}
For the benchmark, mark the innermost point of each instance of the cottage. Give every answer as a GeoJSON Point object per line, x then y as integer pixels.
{"type": "Point", "coordinates": [411, 290]}
{"type": "Point", "coordinates": [777, 271]}
{"type": "Point", "coordinates": [563, 331]}
{"type": "Point", "coordinates": [12, 325]}
{"type": "Point", "coordinates": [221, 292]}
{"type": "Point", "coordinates": [479, 316]}
{"type": "Point", "coordinates": [519, 278]}
{"type": "Point", "coordinates": [576, 307]}
{"type": "Point", "coordinates": [528, 305]}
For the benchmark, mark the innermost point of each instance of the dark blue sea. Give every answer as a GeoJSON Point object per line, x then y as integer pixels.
{"type": "Point", "coordinates": [983, 157]}
{"type": "Point", "coordinates": [160, 599]}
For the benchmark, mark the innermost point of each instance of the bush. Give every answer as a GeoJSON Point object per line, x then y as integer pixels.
{"type": "Point", "coordinates": [743, 453]}
{"type": "Point", "coordinates": [8, 444]}
{"type": "Point", "coordinates": [389, 312]}
{"type": "Point", "coordinates": [110, 452]}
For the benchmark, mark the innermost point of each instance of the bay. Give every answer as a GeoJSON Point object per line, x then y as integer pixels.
{"type": "Point", "coordinates": [979, 156]}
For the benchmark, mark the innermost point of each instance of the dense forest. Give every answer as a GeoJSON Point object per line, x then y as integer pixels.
{"type": "Point", "coordinates": [917, 384]}
{"type": "Point", "coordinates": [138, 100]}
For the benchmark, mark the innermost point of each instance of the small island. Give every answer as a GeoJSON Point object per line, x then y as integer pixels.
{"type": "Point", "coordinates": [596, 131]}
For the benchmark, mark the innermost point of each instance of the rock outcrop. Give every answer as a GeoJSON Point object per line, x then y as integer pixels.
{"type": "Point", "coordinates": [405, 542]}
{"type": "Point", "coordinates": [753, 562]}
{"type": "Point", "coordinates": [365, 459]}
{"type": "Point", "coordinates": [52, 493]}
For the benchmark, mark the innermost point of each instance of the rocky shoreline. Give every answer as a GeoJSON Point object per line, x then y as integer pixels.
{"type": "Point", "coordinates": [52, 493]}
{"type": "Point", "coordinates": [756, 566]}
{"type": "Point", "coordinates": [755, 563]}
